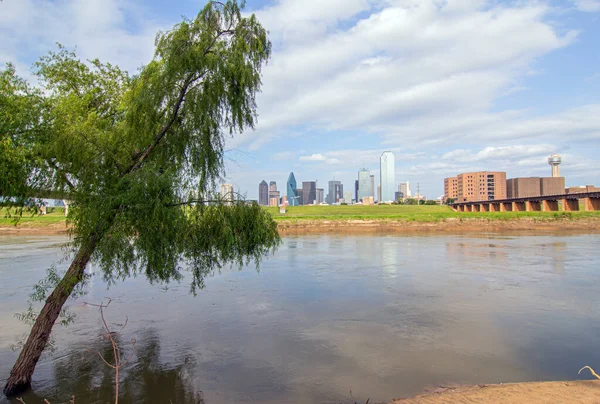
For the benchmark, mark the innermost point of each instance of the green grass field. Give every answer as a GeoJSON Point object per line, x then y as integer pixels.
{"type": "Point", "coordinates": [409, 213]}
{"type": "Point", "coordinates": [55, 215]}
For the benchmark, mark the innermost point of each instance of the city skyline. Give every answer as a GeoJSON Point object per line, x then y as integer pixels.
{"type": "Point", "coordinates": [349, 80]}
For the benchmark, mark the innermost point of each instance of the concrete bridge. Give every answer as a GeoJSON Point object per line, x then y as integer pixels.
{"type": "Point", "coordinates": [589, 201]}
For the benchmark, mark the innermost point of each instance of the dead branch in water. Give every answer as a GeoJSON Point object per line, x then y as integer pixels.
{"type": "Point", "coordinates": [118, 363]}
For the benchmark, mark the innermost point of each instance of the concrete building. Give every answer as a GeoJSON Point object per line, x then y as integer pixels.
{"type": "Point", "coordinates": [320, 195]}
{"type": "Point", "coordinates": [274, 202]}
{"type": "Point", "coordinates": [272, 186]}
{"type": "Point", "coordinates": [404, 189]}
{"type": "Point", "coordinates": [481, 186]}
{"type": "Point", "coordinates": [336, 192]}
{"type": "Point", "coordinates": [356, 191]}
{"type": "Point", "coordinates": [226, 194]}
{"type": "Point", "coordinates": [534, 186]}
{"type": "Point", "coordinates": [554, 162]}
{"type": "Point", "coordinates": [348, 197]}
{"type": "Point", "coordinates": [309, 192]}
{"type": "Point", "coordinates": [263, 193]}
{"type": "Point", "coordinates": [368, 200]}
{"type": "Point", "coordinates": [284, 201]}
{"type": "Point", "coordinates": [292, 191]}
{"type": "Point", "coordinates": [372, 193]}
{"type": "Point", "coordinates": [451, 188]}
{"type": "Point", "coordinates": [378, 193]}
{"type": "Point", "coordinates": [300, 194]}
{"type": "Point", "coordinates": [387, 177]}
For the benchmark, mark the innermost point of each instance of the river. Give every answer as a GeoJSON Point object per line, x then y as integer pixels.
{"type": "Point", "coordinates": [327, 319]}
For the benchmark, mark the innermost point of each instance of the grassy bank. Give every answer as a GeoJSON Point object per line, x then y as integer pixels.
{"type": "Point", "coordinates": [410, 213]}
{"type": "Point", "coordinates": [302, 215]}
{"type": "Point", "coordinates": [54, 216]}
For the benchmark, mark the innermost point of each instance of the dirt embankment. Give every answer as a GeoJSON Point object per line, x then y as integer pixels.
{"type": "Point", "coordinates": [572, 392]}
{"type": "Point", "coordinates": [445, 226]}
{"type": "Point", "coordinates": [323, 226]}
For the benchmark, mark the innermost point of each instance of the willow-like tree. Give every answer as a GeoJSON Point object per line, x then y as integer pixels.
{"type": "Point", "coordinates": [138, 157]}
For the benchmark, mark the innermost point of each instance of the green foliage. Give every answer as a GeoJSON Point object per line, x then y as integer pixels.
{"type": "Point", "coordinates": [139, 155]}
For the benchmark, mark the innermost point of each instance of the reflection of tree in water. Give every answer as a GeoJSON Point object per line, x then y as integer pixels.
{"type": "Point", "coordinates": [143, 380]}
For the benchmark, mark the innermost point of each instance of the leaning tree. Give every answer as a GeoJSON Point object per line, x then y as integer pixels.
{"type": "Point", "coordinates": [138, 157]}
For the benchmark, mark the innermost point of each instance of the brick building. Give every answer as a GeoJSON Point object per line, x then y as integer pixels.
{"type": "Point", "coordinates": [534, 186]}
{"type": "Point", "coordinates": [451, 188]}
{"type": "Point", "coordinates": [478, 186]}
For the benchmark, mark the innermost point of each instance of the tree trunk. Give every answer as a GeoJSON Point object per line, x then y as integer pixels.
{"type": "Point", "coordinates": [22, 372]}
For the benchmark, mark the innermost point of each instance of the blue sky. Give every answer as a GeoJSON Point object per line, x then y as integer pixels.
{"type": "Point", "coordinates": [448, 85]}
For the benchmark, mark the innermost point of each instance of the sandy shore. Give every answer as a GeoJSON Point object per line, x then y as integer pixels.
{"type": "Point", "coordinates": [299, 227]}
{"type": "Point", "coordinates": [572, 392]}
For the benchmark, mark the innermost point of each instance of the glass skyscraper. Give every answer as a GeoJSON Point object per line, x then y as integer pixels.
{"type": "Point", "coordinates": [364, 184]}
{"type": "Point", "coordinates": [309, 192]}
{"type": "Point", "coordinates": [336, 192]}
{"type": "Point", "coordinates": [263, 194]}
{"type": "Point", "coordinates": [292, 191]}
{"type": "Point", "coordinates": [387, 172]}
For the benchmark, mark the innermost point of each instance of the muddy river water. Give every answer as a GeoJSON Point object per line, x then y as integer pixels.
{"type": "Point", "coordinates": [327, 319]}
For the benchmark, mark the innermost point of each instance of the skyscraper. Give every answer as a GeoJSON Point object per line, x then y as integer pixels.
{"type": "Point", "coordinates": [336, 192]}
{"type": "Point", "coordinates": [227, 194]}
{"type": "Point", "coordinates": [356, 191]}
{"type": "Point", "coordinates": [364, 184]}
{"type": "Point", "coordinates": [387, 180]}
{"type": "Point", "coordinates": [273, 192]}
{"type": "Point", "coordinates": [309, 192]}
{"type": "Point", "coordinates": [372, 193]}
{"type": "Point", "coordinates": [263, 193]}
{"type": "Point", "coordinates": [300, 194]}
{"type": "Point", "coordinates": [404, 189]}
{"type": "Point", "coordinates": [320, 193]}
{"type": "Point", "coordinates": [292, 193]}
{"type": "Point", "coordinates": [348, 197]}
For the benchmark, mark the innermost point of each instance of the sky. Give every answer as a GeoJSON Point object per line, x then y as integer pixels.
{"type": "Point", "coordinates": [448, 86]}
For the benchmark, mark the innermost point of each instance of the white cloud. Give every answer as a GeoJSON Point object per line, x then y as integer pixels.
{"type": "Point", "coordinates": [588, 5]}
{"type": "Point", "coordinates": [96, 29]}
{"type": "Point", "coordinates": [401, 61]}
{"type": "Point", "coordinates": [320, 158]}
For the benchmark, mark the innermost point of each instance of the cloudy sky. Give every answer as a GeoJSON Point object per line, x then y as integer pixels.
{"type": "Point", "coordinates": [447, 85]}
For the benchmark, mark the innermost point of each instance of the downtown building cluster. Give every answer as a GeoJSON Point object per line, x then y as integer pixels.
{"type": "Point", "coordinates": [363, 190]}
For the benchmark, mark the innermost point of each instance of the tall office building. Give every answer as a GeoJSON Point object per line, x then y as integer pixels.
{"type": "Point", "coordinates": [364, 184]}
{"type": "Point", "coordinates": [356, 191]}
{"type": "Point", "coordinates": [404, 189]}
{"type": "Point", "coordinates": [372, 186]}
{"type": "Point", "coordinates": [292, 192]}
{"type": "Point", "coordinates": [320, 195]}
{"type": "Point", "coordinates": [272, 186]}
{"type": "Point", "coordinates": [227, 194]}
{"type": "Point", "coordinates": [387, 181]}
{"type": "Point", "coordinates": [263, 193]}
{"type": "Point", "coordinates": [336, 192]}
{"type": "Point", "coordinates": [309, 192]}
{"type": "Point", "coordinates": [379, 193]}
{"type": "Point", "coordinates": [300, 194]}
{"type": "Point", "coordinates": [273, 192]}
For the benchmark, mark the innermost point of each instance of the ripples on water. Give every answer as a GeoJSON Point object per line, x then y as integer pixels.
{"type": "Point", "coordinates": [380, 316]}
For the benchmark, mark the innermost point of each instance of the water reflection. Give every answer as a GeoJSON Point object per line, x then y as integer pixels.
{"type": "Point", "coordinates": [145, 380]}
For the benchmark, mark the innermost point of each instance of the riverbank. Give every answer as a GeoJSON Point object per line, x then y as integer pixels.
{"type": "Point", "coordinates": [574, 223]}
{"type": "Point", "coordinates": [582, 392]}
